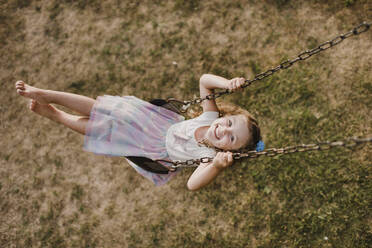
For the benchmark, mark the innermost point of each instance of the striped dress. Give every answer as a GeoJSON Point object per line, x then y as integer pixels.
{"type": "Point", "coordinates": [128, 126]}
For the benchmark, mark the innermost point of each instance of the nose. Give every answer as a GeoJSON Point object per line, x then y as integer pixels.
{"type": "Point", "coordinates": [225, 129]}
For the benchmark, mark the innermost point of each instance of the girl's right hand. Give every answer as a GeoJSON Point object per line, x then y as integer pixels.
{"type": "Point", "coordinates": [223, 160]}
{"type": "Point", "coordinates": [235, 84]}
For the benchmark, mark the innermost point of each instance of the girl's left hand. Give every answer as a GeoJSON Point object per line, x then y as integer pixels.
{"type": "Point", "coordinates": [235, 84]}
{"type": "Point", "coordinates": [223, 160]}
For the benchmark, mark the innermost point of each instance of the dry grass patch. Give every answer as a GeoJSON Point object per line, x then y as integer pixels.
{"type": "Point", "coordinates": [53, 194]}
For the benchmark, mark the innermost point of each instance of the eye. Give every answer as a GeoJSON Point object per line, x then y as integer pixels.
{"type": "Point", "coordinates": [230, 123]}
{"type": "Point", "coordinates": [232, 138]}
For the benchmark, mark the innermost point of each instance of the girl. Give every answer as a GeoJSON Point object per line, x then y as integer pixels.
{"type": "Point", "coordinates": [128, 126]}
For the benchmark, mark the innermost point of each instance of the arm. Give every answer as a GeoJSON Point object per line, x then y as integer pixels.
{"type": "Point", "coordinates": [205, 173]}
{"type": "Point", "coordinates": [209, 82]}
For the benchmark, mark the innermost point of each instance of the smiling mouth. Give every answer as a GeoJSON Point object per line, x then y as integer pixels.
{"type": "Point", "coordinates": [215, 132]}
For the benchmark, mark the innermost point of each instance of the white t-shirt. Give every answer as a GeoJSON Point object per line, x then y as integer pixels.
{"type": "Point", "coordinates": [180, 140]}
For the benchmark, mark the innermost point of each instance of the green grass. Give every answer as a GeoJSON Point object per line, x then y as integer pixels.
{"type": "Point", "coordinates": [53, 194]}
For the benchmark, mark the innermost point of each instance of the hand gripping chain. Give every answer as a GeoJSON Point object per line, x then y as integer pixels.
{"type": "Point", "coordinates": [361, 28]}
{"type": "Point", "coordinates": [320, 146]}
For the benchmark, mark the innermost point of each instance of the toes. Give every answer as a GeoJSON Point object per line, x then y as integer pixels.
{"type": "Point", "coordinates": [20, 87]}
{"type": "Point", "coordinates": [21, 92]}
{"type": "Point", "coordinates": [20, 83]}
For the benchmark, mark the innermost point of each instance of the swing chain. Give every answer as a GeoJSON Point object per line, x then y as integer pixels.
{"type": "Point", "coordinates": [320, 146]}
{"type": "Point", "coordinates": [361, 28]}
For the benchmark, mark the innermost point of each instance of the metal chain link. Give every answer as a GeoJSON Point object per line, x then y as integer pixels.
{"type": "Point", "coordinates": [361, 28]}
{"type": "Point", "coordinates": [319, 146]}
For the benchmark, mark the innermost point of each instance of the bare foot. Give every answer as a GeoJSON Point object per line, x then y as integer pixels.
{"type": "Point", "coordinates": [31, 92]}
{"type": "Point", "coordinates": [45, 110]}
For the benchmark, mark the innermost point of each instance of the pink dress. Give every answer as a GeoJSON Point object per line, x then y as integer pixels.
{"type": "Point", "coordinates": [128, 126]}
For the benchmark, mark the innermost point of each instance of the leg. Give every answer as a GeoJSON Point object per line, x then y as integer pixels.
{"type": "Point", "coordinates": [78, 103]}
{"type": "Point", "coordinates": [76, 123]}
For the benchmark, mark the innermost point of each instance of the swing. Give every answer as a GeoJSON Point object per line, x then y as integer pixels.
{"type": "Point", "coordinates": [180, 107]}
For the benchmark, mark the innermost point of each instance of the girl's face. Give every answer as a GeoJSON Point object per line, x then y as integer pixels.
{"type": "Point", "coordinates": [229, 132]}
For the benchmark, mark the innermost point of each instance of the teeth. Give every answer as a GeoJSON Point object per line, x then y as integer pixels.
{"type": "Point", "coordinates": [215, 132]}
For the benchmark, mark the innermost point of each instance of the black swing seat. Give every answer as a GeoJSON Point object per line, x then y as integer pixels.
{"type": "Point", "coordinates": [165, 104]}
{"type": "Point", "coordinates": [149, 164]}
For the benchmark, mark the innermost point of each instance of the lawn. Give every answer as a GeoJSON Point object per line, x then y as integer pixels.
{"type": "Point", "coordinates": [54, 194]}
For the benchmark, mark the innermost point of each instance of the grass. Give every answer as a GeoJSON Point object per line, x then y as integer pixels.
{"type": "Point", "coordinates": [53, 194]}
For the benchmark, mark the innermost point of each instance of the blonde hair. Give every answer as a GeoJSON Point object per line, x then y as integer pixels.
{"type": "Point", "coordinates": [228, 109]}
